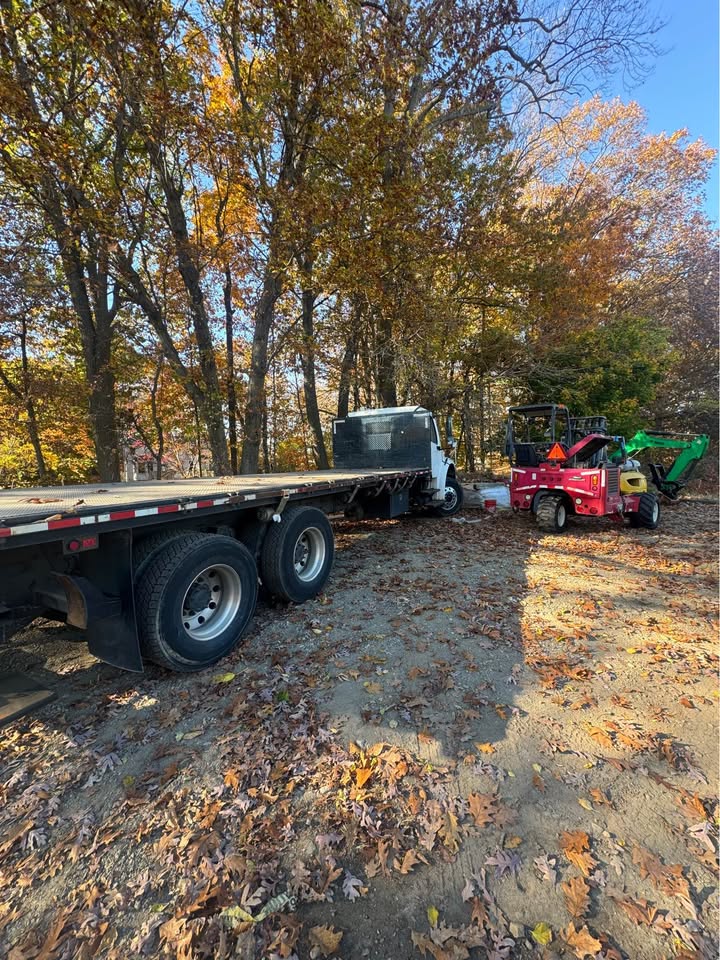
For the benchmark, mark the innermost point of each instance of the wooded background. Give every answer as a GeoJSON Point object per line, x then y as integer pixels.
{"type": "Point", "coordinates": [224, 222]}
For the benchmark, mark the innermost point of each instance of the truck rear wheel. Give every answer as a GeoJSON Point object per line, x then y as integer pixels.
{"type": "Point", "coordinates": [648, 512]}
{"type": "Point", "coordinates": [551, 514]}
{"type": "Point", "coordinates": [297, 554]}
{"type": "Point", "coordinates": [453, 499]}
{"type": "Point", "coordinates": [194, 600]}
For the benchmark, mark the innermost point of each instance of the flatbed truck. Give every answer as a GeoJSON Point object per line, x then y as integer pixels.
{"type": "Point", "coordinates": [168, 571]}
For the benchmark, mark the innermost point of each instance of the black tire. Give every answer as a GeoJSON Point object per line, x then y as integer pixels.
{"type": "Point", "coordinates": [454, 497]}
{"type": "Point", "coordinates": [175, 630]}
{"type": "Point", "coordinates": [648, 512]}
{"type": "Point", "coordinates": [144, 550]}
{"type": "Point", "coordinates": [551, 514]}
{"type": "Point", "coordinates": [297, 554]}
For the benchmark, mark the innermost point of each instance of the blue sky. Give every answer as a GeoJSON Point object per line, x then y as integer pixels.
{"type": "Point", "coordinates": [682, 90]}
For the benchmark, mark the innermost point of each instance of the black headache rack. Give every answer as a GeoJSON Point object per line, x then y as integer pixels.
{"type": "Point", "coordinates": [400, 439]}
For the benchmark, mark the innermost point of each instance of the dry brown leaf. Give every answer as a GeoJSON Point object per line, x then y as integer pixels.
{"type": "Point", "coordinates": [485, 748]}
{"type": "Point", "coordinates": [667, 878]}
{"type": "Point", "coordinates": [582, 941]}
{"type": "Point", "coordinates": [599, 797]}
{"type": "Point", "coordinates": [538, 782]}
{"type": "Point", "coordinates": [326, 939]}
{"type": "Point", "coordinates": [599, 736]}
{"type": "Point", "coordinates": [362, 775]}
{"type": "Point", "coordinates": [479, 912]}
{"type": "Point", "coordinates": [449, 832]}
{"type": "Point", "coordinates": [410, 860]}
{"type": "Point", "coordinates": [577, 896]}
{"type": "Point", "coordinates": [692, 805]}
{"type": "Point", "coordinates": [639, 911]}
{"type": "Point", "coordinates": [575, 840]}
{"type": "Point", "coordinates": [483, 808]}
{"type": "Point", "coordinates": [575, 845]}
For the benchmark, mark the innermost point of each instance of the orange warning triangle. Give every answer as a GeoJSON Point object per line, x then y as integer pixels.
{"type": "Point", "coordinates": [556, 453]}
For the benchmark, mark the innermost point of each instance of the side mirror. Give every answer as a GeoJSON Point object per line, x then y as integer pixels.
{"type": "Point", "coordinates": [451, 441]}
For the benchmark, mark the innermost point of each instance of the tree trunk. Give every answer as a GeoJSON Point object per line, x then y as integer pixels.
{"type": "Point", "coordinates": [160, 433]}
{"type": "Point", "coordinates": [467, 432]}
{"type": "Point", "coordinates": [212, 412]}
{"type": "Point", "coordinates": [231, 394]}
{"type": "Point", "coordinates": [386, 382]}
{"type": "Point", "coordinates": [95, 319]}
{"type": "Point", "coordinates": [348, 362]}
{"type": "Point", "coordinates": [307, 358]}
{"type": "Point", "coordinates": [255, 403]}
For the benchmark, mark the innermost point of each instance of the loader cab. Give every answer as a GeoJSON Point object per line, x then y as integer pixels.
{"type": "Point", "coordinates": [532, 431]}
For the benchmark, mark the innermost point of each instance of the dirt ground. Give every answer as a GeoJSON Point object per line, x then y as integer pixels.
{"type": "Point", "coordinates": [478, 742]}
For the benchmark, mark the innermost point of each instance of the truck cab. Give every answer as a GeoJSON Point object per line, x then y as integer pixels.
{"type": "Point", "coordinates": [402, 438]}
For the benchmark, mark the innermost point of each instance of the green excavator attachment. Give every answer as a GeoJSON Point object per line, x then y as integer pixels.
{"type": "Point", "coordinates": [670, 480]}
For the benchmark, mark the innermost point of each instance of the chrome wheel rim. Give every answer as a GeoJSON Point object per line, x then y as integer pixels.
{"type": "Point", "coordinates": [309, 554]}
{"type": "Point", "coordinates": [656, 512]}
{"type": "Point", "coordinates": [451, 498]}
{"type": "Point", "coordinates": [561, 516]}
{"type": "Point", "coordinates": [211, 602]}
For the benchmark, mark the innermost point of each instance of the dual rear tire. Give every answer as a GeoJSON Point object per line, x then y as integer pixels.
{"type": "Point", "coordinates": [195, 593]}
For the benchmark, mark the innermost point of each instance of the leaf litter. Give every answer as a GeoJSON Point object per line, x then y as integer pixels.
{"type": "Point", "coordinates": [242, 816]}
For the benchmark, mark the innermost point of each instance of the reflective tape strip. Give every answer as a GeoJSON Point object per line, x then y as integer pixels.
{"type": "Point", "coordinates": [116, 515]}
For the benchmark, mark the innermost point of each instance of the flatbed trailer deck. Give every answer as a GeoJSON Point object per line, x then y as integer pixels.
{"type": "Point", "coordinates": [39, 514]}
{"type": "Point", "coordinates": [168, 571]}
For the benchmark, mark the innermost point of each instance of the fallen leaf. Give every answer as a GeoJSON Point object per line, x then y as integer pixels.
{"type": "Point", "coordinates": [433, 915]}
{"type": "Point", "coordinates": [585, 804]}
{"type": "Point", "coordinates": [485, 748]}
{"type": "Point", "coordinates": [541, 933]}
{"type": "Point", "coordinates": [410, 860]}
{"type": "Point", "coordinates": [483, 808]}
{"type": "Point", "coordinates": [577, 898]}
{"type": "Point", "coordinates": [538, 782]}
{"type": "Point", "coordinates": [582, 941]}
{"type": "Point", "coordinates": [599, 736]}
{"type": "Point", "coordinates": [224, 677]}
{"type": "Point", "coordinates": [326, 939]}
{"type": "Point", "coordinates": [362, 775]}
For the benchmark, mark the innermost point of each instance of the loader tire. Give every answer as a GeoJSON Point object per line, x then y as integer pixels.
{"type": "Point", "coordinates": [551, 514]}
{"type": "Point", "coordinates": [648, 512]}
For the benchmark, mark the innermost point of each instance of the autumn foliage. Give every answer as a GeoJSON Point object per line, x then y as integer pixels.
{"type": "Point", "coordinates": [225, 223]}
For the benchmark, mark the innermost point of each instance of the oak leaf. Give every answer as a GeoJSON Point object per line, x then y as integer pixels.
{"type": "Point", "coordinates": [483, 808]}
{"type": "Point", "coordinates": [577, 896]}
{"type": "Point", "coordinates": [326, 939]}
{"type": "Point", "coordinates": [581, 941]}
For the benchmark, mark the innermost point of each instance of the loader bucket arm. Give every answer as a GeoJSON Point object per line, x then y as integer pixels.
{"type": "Point", "coordinates": [670, 481]}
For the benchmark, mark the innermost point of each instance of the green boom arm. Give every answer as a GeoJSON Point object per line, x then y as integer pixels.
{"type": "Point", "coordinates": [692, 450]}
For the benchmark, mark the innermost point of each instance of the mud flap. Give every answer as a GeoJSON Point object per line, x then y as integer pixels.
{"type": "Point", "coordinates": [110, 606]}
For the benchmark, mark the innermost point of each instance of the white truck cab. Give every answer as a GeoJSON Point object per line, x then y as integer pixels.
{"type": "Point", "coordinates": [404, 438]}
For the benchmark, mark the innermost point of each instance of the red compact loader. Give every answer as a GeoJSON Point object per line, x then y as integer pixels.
{"type": "Point", "coordinates": [556, 477]}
